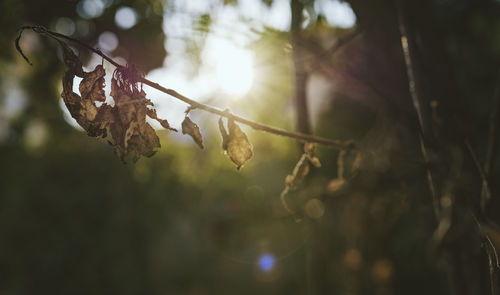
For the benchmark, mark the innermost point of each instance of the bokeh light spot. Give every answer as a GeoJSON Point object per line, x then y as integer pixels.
{"type": "Point", "coordinates": [65, 25]}
{"type": "Point", "coordinates": [314, 208]}
{"type": "Point", "coordinates": [108, 41]}
{"type": "Point", "coordinates": [266, 262]}
{"type": "Point", "coordinates": [339, 14]}
{"type": "Point", "coordinates": [90, 8]}
{"type": "Point", "coordinates": [125, 18]}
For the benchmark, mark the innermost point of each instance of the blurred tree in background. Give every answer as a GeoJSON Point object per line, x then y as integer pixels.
{"type": "Point", "coordinates": [74, 219]}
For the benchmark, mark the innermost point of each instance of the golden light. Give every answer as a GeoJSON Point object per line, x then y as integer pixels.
{"type": "Point", "coordinates": [233, 68]}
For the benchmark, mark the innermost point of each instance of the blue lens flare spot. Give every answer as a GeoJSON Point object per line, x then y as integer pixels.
{"type": "Point", "coordinates": [266, 262]}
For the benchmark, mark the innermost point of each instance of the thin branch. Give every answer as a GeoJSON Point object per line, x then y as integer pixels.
{"type": "Point", "coordinates": [337, 144]}
{"type": "Point", "coordinates": [415, 89]}
{"type": "Point", "coordinates": [300, 72]}
{"type": "Point", "coordinates": [485, 186]}
{"type": "Point", "coordinates": [255, 125]}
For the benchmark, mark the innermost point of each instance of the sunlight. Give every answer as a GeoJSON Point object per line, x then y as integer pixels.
{"type": "Point", "coordinates": [233, 66]}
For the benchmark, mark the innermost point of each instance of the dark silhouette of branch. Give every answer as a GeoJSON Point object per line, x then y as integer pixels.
{"type": "Point", "coordinates": [416, 92]}
{"type": "Point", "coordinates": [300, 136]}
{"type": "Point", "coordinates": [301, 75]}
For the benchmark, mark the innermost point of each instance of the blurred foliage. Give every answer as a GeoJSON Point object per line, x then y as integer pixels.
{"type": "Point", "coordinates": [75, 220]}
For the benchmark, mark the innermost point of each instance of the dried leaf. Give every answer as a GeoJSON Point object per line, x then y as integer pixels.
{"type": "Point", "coordinates": [189, 127]}
{"type": "Point", "coordinates": [92, 85]}
{"type": "Point", "coordinates": [71, 60]}
{"type": "Point", "coordinates": [126, 120]}
{"type": "Point", "coordinates": [235, 143]}
{"type": "Point", "coordinates": [315, 161]}
{"type": "Point", "coordinates": [129, 130]}
{"type": "Point", "coordinates": [309, 147]}
{"type": "Point", "coordinates": [224, 134]}
{"type": "Point", "coordinates": [94, 120]}
{"type": "Point", "coordinates": [164, 123]}
{"type": "Point", "coordinates": [336, 185]}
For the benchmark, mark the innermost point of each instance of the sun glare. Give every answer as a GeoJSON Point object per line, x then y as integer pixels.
{"type": "Point", "coordinates": [233, 67]}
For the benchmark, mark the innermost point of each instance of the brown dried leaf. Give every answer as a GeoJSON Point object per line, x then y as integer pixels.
{"type": "Point", "coordinates": [315, 161]}
{"type": "Point", "coordinates": [235, 143]}
{"type": "Point", "coordinates": [71, 60]}
{"type": "Point", "coordinates": [94, 120]}
{"type": "Point", "coordinates": [224, 134]}
{"type": "Point", "coordinates": [336, 185]}
{"type": "Point", "coordinates": [309, 147]}
{"type": "Point", "coordinates": [130, 131]}
{"type": "Point", "coordinates": [189, 127]}
{"type": "Point", "coordinates": [164, 123]}
{"type": "Point", "coordinates": [92, 85]}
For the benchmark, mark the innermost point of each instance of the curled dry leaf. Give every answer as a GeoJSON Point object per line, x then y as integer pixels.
{"type": "Point", "coordinates": [129, 130]}
{"type": "Point", "coordinates": [235, 143]}
{"type": "Point", "coordinates": [94, 120]}
{"type": "Point", "coordinates": [190, 128]}
{"type": "Point", "coordinates": [126, 120]}
{"type": "Point", "coordinates": [92, 85]}
{"type": "Point", "coordinates": [73, 63]}
{"type": "Point", "coordinates": [164, 123]}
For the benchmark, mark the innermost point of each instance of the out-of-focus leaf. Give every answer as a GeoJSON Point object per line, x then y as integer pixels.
{"type": "Point", "coordinates": [336, 185]}
{"type": "Point", "coordinates": [315, 162]}
{"type": "Point", "coordinates": [302, 167]}
{"type": "Point", "coordinates": [300, 171]}
{"type": "Point", "coordinates": [189, 127]}
{"type": "Point", "coordinates": [309, 147]}
{"type": "Point", "coordinates": [235, 143]}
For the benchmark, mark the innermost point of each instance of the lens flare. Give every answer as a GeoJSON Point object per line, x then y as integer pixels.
{"type": "Point", "coordinates": [266, 262]}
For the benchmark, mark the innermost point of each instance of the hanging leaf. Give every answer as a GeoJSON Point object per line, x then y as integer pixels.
{"type": "Point", "coordinates": [71, 60]}
{"type": "Point", "coordinates": [92, 119]}
{"type": "Point", "coordinates": [224, 134]}
{"type": "Point", "coordinates": [235, 143]}
{"type": "Point", "coordinates": [189, 127]}
{"type": "Point", "coordinates": [92, 85]}
{"type": "Point", "coordinates": [164, 123]}
{"type": "Point", "coordinates": [129, 130]}
{"type": "Point", "coordinates": [315, 161]}
{"type": "Point", "coordinates": [336, 185]}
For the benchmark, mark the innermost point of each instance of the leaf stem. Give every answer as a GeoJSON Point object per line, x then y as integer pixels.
{"type": "Point", "coordinates": [337, 144]}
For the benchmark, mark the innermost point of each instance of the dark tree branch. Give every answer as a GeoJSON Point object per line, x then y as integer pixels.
{"type": "Point", "coordinates": [301, 74]}
{"type": "Point", "coordinates": [419, 103]}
